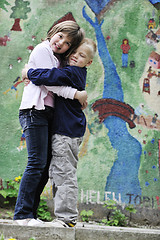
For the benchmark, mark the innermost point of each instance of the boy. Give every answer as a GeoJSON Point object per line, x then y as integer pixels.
{"type": "Point", "coordinates": [68, 129]}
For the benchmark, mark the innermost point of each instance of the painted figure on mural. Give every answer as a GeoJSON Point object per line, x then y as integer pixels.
{"type": "Point", "coordinates": [154, 120]}
{"type": "Point", "coordinates": [139, 111]}
{"type": "Point", "coordinates": [125, 49]}
{"type": "Point", "coordinates": [22, 142]}
{"type": "Point", "coordinates": [151, 23]}
{"type": "Point", "coordinates": [14, 86]}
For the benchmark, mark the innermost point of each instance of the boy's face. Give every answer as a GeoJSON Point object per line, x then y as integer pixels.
{"type": "Point", "coordinates": [60, 43]}
{"type": "Point", "coordinates": [81, 57]}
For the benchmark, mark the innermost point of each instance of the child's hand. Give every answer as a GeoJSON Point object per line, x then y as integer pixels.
{"type": "Point", "coordinates": [26, 81]}
{"type": "Point", "coordinates": [82, 97]}
{"type": "Point", "coordinates": [84, 105]}
{"type": "Point", "coordinates": [24, 72]}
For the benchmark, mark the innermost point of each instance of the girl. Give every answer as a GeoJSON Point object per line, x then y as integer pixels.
{"type": "Point", "coordinates": [36, 112]}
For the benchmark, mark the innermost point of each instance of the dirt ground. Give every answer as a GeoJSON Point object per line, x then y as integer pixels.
{"type": "Point", "coordinates": [6, 213]}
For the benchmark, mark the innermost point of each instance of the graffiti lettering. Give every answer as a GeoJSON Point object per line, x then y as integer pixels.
{"type": "Point", "coordinates": [113, 197]}
{"type": "Point", "coordinates": [92, 197]}
{"type": "Point", "coordinates": [138, 200]}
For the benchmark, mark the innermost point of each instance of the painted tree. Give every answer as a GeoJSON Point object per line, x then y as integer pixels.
{"type": "Point", "coordinates": [123, 178]}
{"type": "Point", "coordinates": [3, 3]}
{"type": "Point", "coordinates": [20, 11]}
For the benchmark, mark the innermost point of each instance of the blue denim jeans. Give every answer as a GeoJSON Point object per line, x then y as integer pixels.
{"type": "Point", "coordinates": [37, 127]}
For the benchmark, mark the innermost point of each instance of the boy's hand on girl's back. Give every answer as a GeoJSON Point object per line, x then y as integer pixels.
{"type": "Point", "coordinates": [81, 96]}
{"type": "Point", "coordinates": [24, 75]}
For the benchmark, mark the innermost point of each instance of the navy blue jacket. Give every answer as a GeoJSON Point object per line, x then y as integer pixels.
{"type": "Point", "coordinates": [69, 119]}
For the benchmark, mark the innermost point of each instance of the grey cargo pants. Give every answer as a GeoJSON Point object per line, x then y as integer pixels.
{"type": "Point", "coordinates": [63, 176]}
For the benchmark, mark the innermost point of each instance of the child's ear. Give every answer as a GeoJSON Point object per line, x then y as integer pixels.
{"type": "Point", "coordinates": [89, 63]}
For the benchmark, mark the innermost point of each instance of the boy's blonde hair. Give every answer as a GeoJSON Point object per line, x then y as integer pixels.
{"type": "Point", "coordinates": [91, 44]}
{"type": "Point", "coordinates": [72, 29]}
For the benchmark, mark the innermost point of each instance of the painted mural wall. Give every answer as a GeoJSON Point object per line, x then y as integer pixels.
{"type": "Point", "coordinates": [119, 158]}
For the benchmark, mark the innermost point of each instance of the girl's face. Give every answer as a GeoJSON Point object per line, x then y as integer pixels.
{"type": "Point", "coordinates": [60, 43]}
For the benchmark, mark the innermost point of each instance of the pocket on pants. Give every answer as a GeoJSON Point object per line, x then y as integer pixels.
{"type": "Point", "coordinates": [59, 145]}
{"type": "Point", "coordinates": [24, 118]}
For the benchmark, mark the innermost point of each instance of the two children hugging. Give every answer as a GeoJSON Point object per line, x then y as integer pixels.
{"type": "Point", "coordinates": [68, 128]}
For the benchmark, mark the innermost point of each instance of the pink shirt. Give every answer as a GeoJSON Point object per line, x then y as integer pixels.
{"type": "Point", "coordinates": [38, 96]}
{"type": "Point", "coordinates": [48, 101]}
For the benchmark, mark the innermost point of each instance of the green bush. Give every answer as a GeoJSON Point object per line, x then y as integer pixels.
{"type": "Point", "coordinates": [85, 215]}
{"type": "Point", "coordinates": [115, 217]}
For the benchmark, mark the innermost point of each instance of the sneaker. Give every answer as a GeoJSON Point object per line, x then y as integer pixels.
{"type": "Point", "coordinates": [39, 220]}
{"type": "Point", "coordinates": [35, 222]}
{"type": "Point", "coordinates": [29, 222]}
{"type": "Point", "coordinates": [22, 222]}
{"type": "Point", "coordinates": [71, 224]}
{"type": "Point", "coordinates": [60, 223]}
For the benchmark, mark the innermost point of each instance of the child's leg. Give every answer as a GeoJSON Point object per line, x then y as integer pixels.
{"type": "Point", "coordinates": [35, 127]}
{"type": "Point", "coordinates": [63, 174]}
{"type": "Point", "coordinates": [45, 174]}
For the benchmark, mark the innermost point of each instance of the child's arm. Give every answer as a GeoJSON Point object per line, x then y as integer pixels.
{"type": "Point", "coordinates": [54, 76]}
{"type": "Point", "coordinates": [81, 96]}
{"type": "Point", "coordinates": [47, 77]}
{"type": "Point", "coordinates": [67, 92]}
{"type": "Point", "coordinates": [50, 77]}
{"type": "Point", "coordinates": [64, 91]}
{"type": "Point", "coordinates": [41, 58]}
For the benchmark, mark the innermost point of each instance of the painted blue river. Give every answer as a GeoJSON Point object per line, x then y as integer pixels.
{"type": "Point", "coordinates": [123, 178]}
